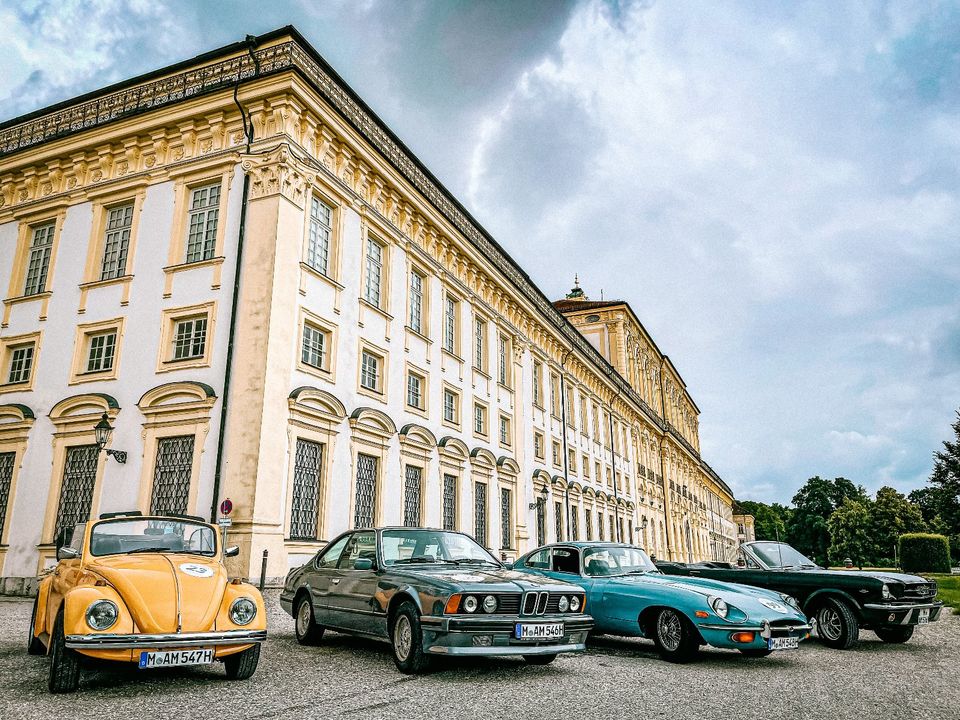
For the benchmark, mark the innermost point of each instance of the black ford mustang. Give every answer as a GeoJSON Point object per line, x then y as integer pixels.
{"type": "Point", "coordinates": [840, 601]}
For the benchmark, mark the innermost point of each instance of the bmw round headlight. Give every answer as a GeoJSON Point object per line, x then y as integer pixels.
{"type": "Point", "coordinates": [243, 611]}
{"type": "Point", "coordinates": [564, 604]}
{"type": "Point", "coordinates": [574, 603]}
{"type": "Point", "coordinates": [885, 592]}
{"type": "Point", "coordinates": [470, 604]}
{"type": "Point", "coordinates": [719, 606]}
{"type": "Point", "coordinates": [489, 604]}
{"type": "Point", "coordinates": [102, 614]}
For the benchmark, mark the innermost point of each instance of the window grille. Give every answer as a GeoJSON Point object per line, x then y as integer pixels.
{"type": "Point", "coordinates": [541, 521]}
{"type": "Point", "coordinates": [366, 493]}
{"type": "Point", "coordinates": [574, 524]}
{"type": "Point", "coordinates": [38, 263]}
{"type": "Point", "coordinates": [449, 502]}
{"type": "Point", "coordinates": [318, 236]}
{"type": "Point", "coordinates": [587, 525]}
{"type": "Point", "coordinates": [7, 462]}
{"type": "Point", "coordinates": [202, 223]}
{"type": "Point", "coordinates": [76, 489]}
{"type": "Point", "coordinates": [305, 504]}
{"type": "Point", "coordinates": [116, 242]}
{"type": "Point", "coordinates": [558, 518]}
{"type": "Point", "coordinates": [172, 474]}
{"type": "Point", "coordinates": [411, 496]}
{"type": "Point", "coordinates": [506, 513]}
{"type": "Point", "coordinates": [480, 513]}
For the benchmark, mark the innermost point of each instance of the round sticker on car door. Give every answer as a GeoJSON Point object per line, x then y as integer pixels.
{"type": "Point", "coordinates": [196, 570]}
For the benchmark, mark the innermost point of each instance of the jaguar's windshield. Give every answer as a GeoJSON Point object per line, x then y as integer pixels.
{"type": "Point", "coordinates": [780, 556]}
{"type": "Point", "coordinates": [616, 560]}
{"type": "Point", "coordinates": [432, 546]}
{"type": "Point", "coordinates": [162, 535]}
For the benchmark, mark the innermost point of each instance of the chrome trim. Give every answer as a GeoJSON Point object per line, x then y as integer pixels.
{"type": "Point", "coordinates": [103, 641]}
{"type": "Point", "coordinates": [758, 628]}
{"type": "Point", "coordinates": [901, 608]}
{"type": "Point", "coordinates": [507, 649]}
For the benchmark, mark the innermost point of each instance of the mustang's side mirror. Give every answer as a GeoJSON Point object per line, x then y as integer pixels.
{"type": "Point", "coordinates": [67, 553]}
{"type": "Point", "coordinates": [231, 551]}
{"type": "Point", "coordinates": [362, 564]}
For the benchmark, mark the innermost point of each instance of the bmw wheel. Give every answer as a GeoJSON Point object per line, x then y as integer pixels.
{"type": "Point", "coordinates": [406, 638]}
{"type": "Point", "coordinates": [837, 626]}
{"type": "Point", "coordinates": [305, 624]}
{"type": "Point", "coordinates": [675, 637]}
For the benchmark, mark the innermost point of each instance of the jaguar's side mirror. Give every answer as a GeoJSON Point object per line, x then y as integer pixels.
{"type": "Point", "coordinates": [231, 551]}
{"type": "Point", "coordinates": [363, 564]}
{"type": "Point", "coordinates": [67, 553]}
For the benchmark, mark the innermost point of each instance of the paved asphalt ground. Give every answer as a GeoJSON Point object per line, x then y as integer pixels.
{"type": "Point", "coordinates": [617, 678]}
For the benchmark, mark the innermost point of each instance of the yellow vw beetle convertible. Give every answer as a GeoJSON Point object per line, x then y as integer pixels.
{"type": "Point", "coordinates": [150, 590]}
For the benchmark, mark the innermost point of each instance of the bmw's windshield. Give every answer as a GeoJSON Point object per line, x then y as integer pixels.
{"type": "Point", "coordinates": [432, 546]}
{"type": "Point", "coordinates": [781, 556]}
{"type": "Point", "coordinates": [162, 535]}
{"type": "Point", "coordinates": [616, 560]}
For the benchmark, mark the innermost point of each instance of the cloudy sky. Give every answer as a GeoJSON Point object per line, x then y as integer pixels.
{"type": "Point", "coordinates": [772, 186]}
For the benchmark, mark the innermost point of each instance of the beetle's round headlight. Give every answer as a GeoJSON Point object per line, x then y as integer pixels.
{"type": "Point", "coordinates": [470, 604]}
{"type": "Point", "coordinates": [574, 603]}
{"type": "Point", "coordinates": [564, 604]}
{"type": "Point", "coordinates": [243, 611]}
{"type": "Point", "coordinates": [719, 606]}
{"type": "Point", "coordinates": [489, 604]}
{"type": "Point", "coordinates": [102, 614]}
{"type": "Point", "coordinates": [885, 592]}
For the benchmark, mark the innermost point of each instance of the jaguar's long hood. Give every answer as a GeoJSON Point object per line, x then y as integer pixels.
{"type": "Point", "coordinates": [166, 592]}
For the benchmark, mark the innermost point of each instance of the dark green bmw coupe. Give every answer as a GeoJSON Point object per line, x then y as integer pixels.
{"type": "Point", "coordinates": [432, 593]}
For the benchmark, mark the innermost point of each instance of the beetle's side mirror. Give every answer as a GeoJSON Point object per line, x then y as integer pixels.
{"type": "Point", "coordinates": [231, 551]}
{"type": "Point", "coordinates": [67, 553]}
{"type": "Point", "coordinates": [363, 564]}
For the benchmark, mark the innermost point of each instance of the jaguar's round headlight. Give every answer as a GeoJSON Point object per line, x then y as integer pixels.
{"type": "Point", "coordinates": [574, 603]}
{"type": "Point", "coordinates": [564, 604]}
{"type": "Point", "coordinates": [243, 611]}
{"type": "Point", "coordinates": [719, 606]}
{"type": "Point", "coordinates": [102, 614]}
{"type": "Point", "coordinates": [489, 604]}
{"type": "Point", "coordinates": [470, 604]}
{"type": "Point", "coordinates": [885, 592]}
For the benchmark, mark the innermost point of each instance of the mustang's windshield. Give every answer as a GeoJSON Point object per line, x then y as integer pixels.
{"type": "Point", "coordinates": [616, 560]}
{"type": "Point", "coordinates": [432, 546]}
{"type": "Point", "coordinates": [781, 556]}
{"type": "Point", "coordinates": [117, 537]}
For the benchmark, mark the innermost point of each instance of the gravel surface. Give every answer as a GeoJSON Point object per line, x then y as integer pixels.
{"type": "Point", "coordinates": [348, 677]}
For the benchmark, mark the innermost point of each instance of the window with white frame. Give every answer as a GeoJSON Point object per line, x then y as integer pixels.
{"type": "Point", "coordinates": [315, 347]}
{"type": "Point", "coordinates": [20, 364]}
{"type": "Point", "coordinates": [556, 456]}
{"type": "Point", "coordinates": [190, 337]}
{"type": "Point", "coordinates": [451, 406]}
{"type": "Point", "coordinates": [506, 437]}
{"type": "Point", "coordinates": [202, 222]}
{"type": "Point", "coordinates": [538, 383]}
{"type": "Point", "coordinates": [554, 394]}
{"type": "Point", "coordinates": [415, 388]}
{"type": "Point", "coordinates": [371, 375]}
{"type": "Point", "coordinates": [570, 409]}
{"type": "Point", "coordinates": [538, 450]}
{"type": "Point", "coordinates": [101, 351]}
{"type": "Point", "coordinates": [503, 360]}
{"type": "Point", "coordinates": [572, 460]}
{"type": "Point", "coordinates": [416, 301]}
{"type": "Point", "coordinates": [479, 419]}
{"type": "Point", "coordinates": [373, 282]}
{"type": "Point", "coordinates": [450, 307]}
{"type": "Point", "coordinates": [38, 261]}
{"type": "Point", "coordinates": [319, 233]}
{"type": "Point", "coordinates": [479, 343]}
{"type": "Point", "coordinates": [116, 241]}
{"type": "Point", "coordinates": [586, 466]}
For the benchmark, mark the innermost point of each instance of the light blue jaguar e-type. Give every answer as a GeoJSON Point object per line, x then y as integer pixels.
{"type": "Point", "coordinates": [627, 595]}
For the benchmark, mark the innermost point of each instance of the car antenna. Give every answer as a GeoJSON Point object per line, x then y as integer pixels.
{"type": "Point", "coordinates": [776, 532]}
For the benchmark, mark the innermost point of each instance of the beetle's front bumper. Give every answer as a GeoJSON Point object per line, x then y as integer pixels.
{"type": "Point", "coordinates": [722, 635]}
{"type": "Point", "coordinates": [138, 641]}
{"type": "Point", "coordinates": [490, 635]}
{"type": "Point", "coordinates": [898, 613]}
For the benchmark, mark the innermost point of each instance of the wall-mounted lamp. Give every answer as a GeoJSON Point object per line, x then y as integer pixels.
{"type": "Point", "coordinates": [103, 431]}
{"type": "Point", "coordinates": [544, 493]}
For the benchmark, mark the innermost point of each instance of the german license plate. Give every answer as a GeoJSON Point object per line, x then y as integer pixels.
{"type": "Point", "coordinates": [784, 643]}
{"type": "Point", "coordinates": [175, 658]}
{"type": "Point", "coordinates": [923, 616]}
{"type": "Point", "coordinates": [538, 631]}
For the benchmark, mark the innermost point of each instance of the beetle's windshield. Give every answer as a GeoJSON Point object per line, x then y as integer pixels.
{"type": "Point", "coordinates": [164, 535]}
{"type": "Point", "coordinates": [781, 556]}
{"type": "Point", "coordinates": [432, 546]}
{"type": "Point", "coordinates": [616, 560]}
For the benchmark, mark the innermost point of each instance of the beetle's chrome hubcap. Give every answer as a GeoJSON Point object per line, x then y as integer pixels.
{"type": "Point", "coordinates": [303, 618]}
{"type": "Point", "coordinates": [402, 637]}
{"type": "Point", "coordinates": [669, 630]}
{"type": "Point", "coordinates": [828, 622]}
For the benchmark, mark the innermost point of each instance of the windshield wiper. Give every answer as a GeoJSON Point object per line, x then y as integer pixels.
{"type": "Point", "coordinates": [416, 559]}
{"type": "Point", "coordinates": [472, 561]}
{"type": "Point", "coordinates": [151, 549]}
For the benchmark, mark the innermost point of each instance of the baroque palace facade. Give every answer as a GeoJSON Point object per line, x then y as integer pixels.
{"type": "Point", "coordinates": [273, 301]}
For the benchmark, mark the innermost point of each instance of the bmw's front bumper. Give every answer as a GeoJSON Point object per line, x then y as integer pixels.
{"type": "Point", "coordinates": [495, 635]}
{"type": "Point", "coordinates": [143, 641]}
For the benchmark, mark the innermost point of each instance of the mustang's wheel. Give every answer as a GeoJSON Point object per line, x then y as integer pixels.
{"type": "Point", "coordinates": [674, 637]}
{"type": "Point", "coordinates": [242, 665]}
{"type": "Point", "coordinates": [539, 659]}
{"type": "Point", "coordinates": [755, 653]}
{"type": "Point", "coordinates": [837, 626]}
{"type": "Point", "coordinates": [895, 633]}
{"type": "Point", "coordinates": [64, 662]}
{"type": "Point", "coordinates": [407, 640]}
{"type": "Point", "coordinates": [305, 625]}
{"type": "Point", "coordinates": [34, 646]}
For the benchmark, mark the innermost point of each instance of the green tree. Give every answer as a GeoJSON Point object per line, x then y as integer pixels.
{"type": "Point", "coordinates": [942, 496]}
{"type": "Point", "coordinates": [849, 528]}
{"type": "Point", "coordinates": [892, 515]}
{"type": "Point", "coordinates": [814, 503]}
{"type": "Point", "coordinates": [770, 521]}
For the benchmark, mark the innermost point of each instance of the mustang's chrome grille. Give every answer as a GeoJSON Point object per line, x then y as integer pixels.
{"type": "Point", "coordinates": [919, 590]}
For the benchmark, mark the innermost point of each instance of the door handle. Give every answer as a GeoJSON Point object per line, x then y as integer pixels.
{"type": "Point", "coordinates": [335, 581]}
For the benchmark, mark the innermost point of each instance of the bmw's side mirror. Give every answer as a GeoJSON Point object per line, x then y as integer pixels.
{"type": "Point", "coordinates": [362, 564]}
{"type": "Point", "coordinates": [67, 553]}
{"type": "Point", "coordinates": [231, 551]}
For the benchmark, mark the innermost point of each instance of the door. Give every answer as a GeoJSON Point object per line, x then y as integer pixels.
{"type": "Point", "coordinates": [352, 602]}
{"type": "Point", "coordinates": [320, 579]}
